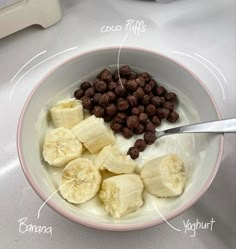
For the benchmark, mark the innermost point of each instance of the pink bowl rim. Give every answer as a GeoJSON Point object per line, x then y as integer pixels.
{"type": "Point", "coordinates": [116, 227]}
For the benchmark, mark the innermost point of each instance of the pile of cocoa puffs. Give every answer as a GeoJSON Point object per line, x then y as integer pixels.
{"type": "Point", "coordinates": [133, 103]}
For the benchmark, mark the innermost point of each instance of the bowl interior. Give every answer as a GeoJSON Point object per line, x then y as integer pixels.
{"type": "Point", "coordinates": [201, 153]}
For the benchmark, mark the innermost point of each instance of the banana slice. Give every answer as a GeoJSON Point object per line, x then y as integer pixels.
{"type": "Point", "coordinates": [111, 159]}
{"type": "Point", "coordinates": [61, 146]}
{"type": "Point", "coordinates": [164, 176]}
{"type": "Point", "coordinates": [67, 113]}
{"type": "Point", "coordinates": [80, 181]}
{"type": "Point", "coordinates": [94, 134]}
{"type": "Point", "coordinates": [122, 194]}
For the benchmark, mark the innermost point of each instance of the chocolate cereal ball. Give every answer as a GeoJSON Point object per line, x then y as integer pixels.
{"type": "Point", "coordinates": [146, 99]}
{"type": "Point", "coordinates": [98, 111]}
{"type": "Point", "coordinates": [139, 129]}
{"type": "Point", "coordinates": [151, 110]}
{"type": "Point", "coordinates": [96, 97]}
{"type": "Point", "coordinates": [135, 111]}
{"type": "Point", "coordinates": [169, 105]}
{"type": "Point", "coordinates": [149, 137]}
{"type": "Point", "coordinates": [132, 100]}
{"type": "Point", "coordinates": [122, 104]}
{"type": "Point", "coordinates": [116, 127]}
{"type": "Point", "coordinates": [152, 83]}
{"type": "Point", "coordinates": [120, 118]}
{"type": "Point", "coordinates": [133, 152]}
{"type": "Point", "coordinates": [141, 108]}
{"type": "Point", "coordinates": [155, 120]}
{"type": "Point", "coordinates": [127, 133]}
{"type": "Point", "coordinates": [95, 82]}
{"type": "Point", "coordinates": [79, 93]}
{"type": "Point", "coordinates": [111, 95]}
{"type": "Point", "coordinates": [101, 86]}
{"type": "Point", "coordinates": [87, 103]}
{"type": "Point", "coordinates": [120, 91]}
{"type": "Point", "coordinates": [156, 101]}
{"type": "Point", "coordinates": [146, 76]}
{"type": "Point", "coordinates": [147, 88]}
{"type": "Point", "coordinates": [90, 92]}
{"type": "Point", "coordinates": [173, 117]}
{"type": "Point", "coordinates": [171, 96]}
{"type": "Point", "coordinates": [141, 81]}
{"type": "Point", "coordinates": [104, 99]}
{"type": "Point", "coordinates": [125, 71]}
{"type": "Point", "coordinates": [111, 109]}
{"type": "Point", "coordinates": [132, 121]}
{"type": "Point", "coordinates": [85, 85]}
{"type": "Point", "coordinates": [131, 85]}
{"type": "Point", "coordinates": [143, 117]}
{"type": "Point", "coordinates": [160, 91]}
{"type": "Point", "coordinates": [132, 76]}
{"type": "Point", "coordinates": [140, 144]}
{"type": "Point", "coordinates": [139, 93]}
{"type": "Point", "coordinates": [150, 127]}
{"type": "Point", "coordinates": [162, 113]}
{"type": "Point", "coordinates": [105, 75]}
{"type": "Point", "coordinates": [112, 85]}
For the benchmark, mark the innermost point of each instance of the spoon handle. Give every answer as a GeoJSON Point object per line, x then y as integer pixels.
{"type": "Point", "coordinates": [219, 126]}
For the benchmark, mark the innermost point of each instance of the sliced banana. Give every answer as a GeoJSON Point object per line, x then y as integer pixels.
{"type": "Point", "coordinates": [80, 181]}
{"type": "Point", "coordinates": [94, 134]}
{"type": "Point", "coordinates": [122, 194]}
{"type": "Point", "coordinates": [164, 176]}
{"type": "Point", "coordinates": [67, 113]}
{"type": "Point", "coordinates": [114, 161]}
{"type": "Point", "coordinates": [61, 146]}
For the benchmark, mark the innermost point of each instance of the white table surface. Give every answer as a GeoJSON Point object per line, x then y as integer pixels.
{"type": "Point", "coordinates": [200, 34]}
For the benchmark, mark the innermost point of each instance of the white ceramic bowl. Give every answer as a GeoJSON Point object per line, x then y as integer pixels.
{"type": "Point", "coordinates": [201, 153]}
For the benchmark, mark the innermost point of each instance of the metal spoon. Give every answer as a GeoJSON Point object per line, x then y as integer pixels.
{"type": "Point", "coordinates": [219, 126]}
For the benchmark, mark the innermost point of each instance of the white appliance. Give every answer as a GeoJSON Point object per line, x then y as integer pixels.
{"type": "Point", "coordinates": [18, 14]}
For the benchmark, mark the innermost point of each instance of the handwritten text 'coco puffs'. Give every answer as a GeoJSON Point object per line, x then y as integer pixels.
{"type": "Point", "coordinates": [130, 25]}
